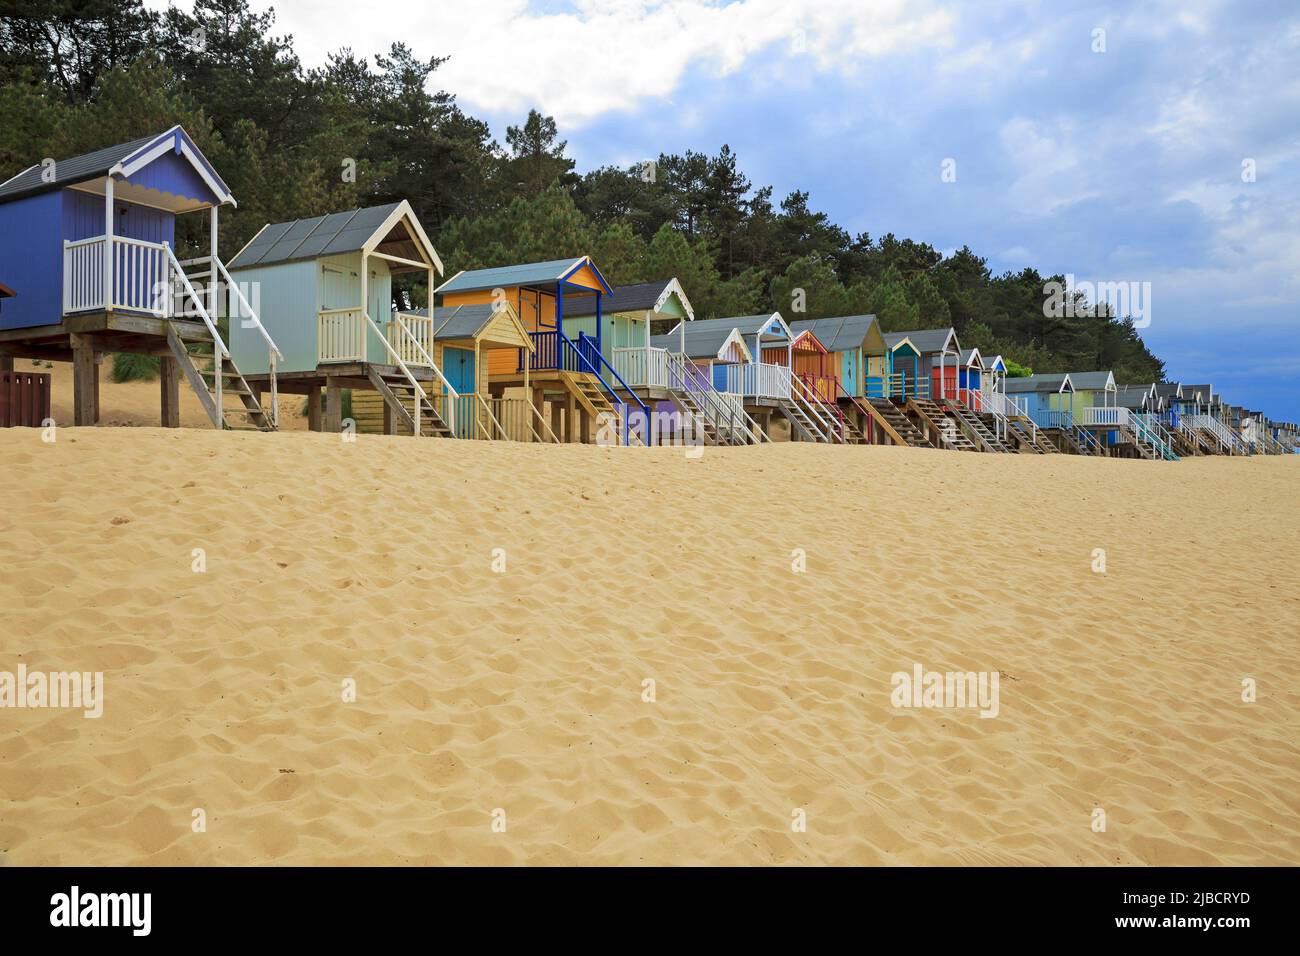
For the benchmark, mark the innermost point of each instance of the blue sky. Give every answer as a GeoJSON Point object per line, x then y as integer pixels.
{"type": "Point", "coordinates": [1118, 166]}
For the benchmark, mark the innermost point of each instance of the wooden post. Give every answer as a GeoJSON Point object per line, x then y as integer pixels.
{"type": "Point", "coordinates": [313, 409]}
{"type": "Point", "coordinates": [556, 425]}
{"type": "Point", "coordinates": [83, 380]}
{"type": "Point", "coordinates": [538, 399]}
{"type": "Point", "coordinates": [212, 268]}
{"type": "Point", "coordinates": [333, 405]}
{"type": "Point", "coordinates": [170, 386]}
{"type": "Point", "coordinates": [388, 420]}
{"type": "Point", "coordinates": [6, 362]}
{"type": "Point", "coordinates": [108, 244]}
{"type": "Point", "coordinates": [570, 416]}
{"type": "Point", "coordinates": [99, 362]}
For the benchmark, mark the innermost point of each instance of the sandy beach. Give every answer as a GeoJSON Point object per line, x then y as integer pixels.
{"type": "Point", "coordinates": [499, 608]}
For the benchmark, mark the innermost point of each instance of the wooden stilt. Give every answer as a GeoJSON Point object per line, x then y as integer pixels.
{"type": "Point", "coordinates": [570, 418]}
{"type": "Point", "coordinates": [313, 410]}
{"type": "Point", "coordinates": [99, 362]}
{"type": "Point", "coordinates": [170, 388]}
{"type": "Point", "coordinates": [83, 380]}
{"type": "Point", "coordinates": [333, 406]}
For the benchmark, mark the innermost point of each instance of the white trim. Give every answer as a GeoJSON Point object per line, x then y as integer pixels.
{"type": "Point", "coordinates": [165, 143]}
{"type": "Point", "coordinates": [265, 226]}
{"type": "Point", "coordinates": [674, 286]}
{"type": "Point", "coordinates": [450, 281]}
{"type": "Point", "coordinates": [421, 238]}
{"type": "Point", "coordinates": [21, 173]}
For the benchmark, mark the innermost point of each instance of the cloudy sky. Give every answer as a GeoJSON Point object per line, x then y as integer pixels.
{"type": "Point", "coordinates": [1108, 141]}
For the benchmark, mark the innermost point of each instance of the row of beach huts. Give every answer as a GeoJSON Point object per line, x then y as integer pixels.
{"type": "Point", "coordinates": [543, 351]}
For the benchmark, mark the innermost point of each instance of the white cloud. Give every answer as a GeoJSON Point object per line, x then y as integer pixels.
{"type": "Point", "coordinates": [606, 55]}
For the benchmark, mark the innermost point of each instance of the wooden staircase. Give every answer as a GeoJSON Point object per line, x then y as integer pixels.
{"type": "Point", "coordinates": [976, 430]}
{"type": "Point", "coordinates": [687, 405]}
{"type": "Point", "coordinates": [198, 363]}
{"type": "Point", "coordinates": [595, 401]}
{"type": "Point", "coordinates": [897, 425]}
{"type": "Point", "coordinates": [400, 397]}
{"type": "Point", "coordinates": [799, 420]}
{"type": "Point", "coordinates": [1065, 441]}
{"type": "Point", "coordinates": [946, 432]}
{"type": "Point", "coordinates": [1020, 429]}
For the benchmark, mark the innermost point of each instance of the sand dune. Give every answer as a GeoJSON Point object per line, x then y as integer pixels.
{"type": "Point", "coordinates": [523, 690]}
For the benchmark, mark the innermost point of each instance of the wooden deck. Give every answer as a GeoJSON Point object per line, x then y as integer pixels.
{"type": "Point", "coordinates": [86, 338]}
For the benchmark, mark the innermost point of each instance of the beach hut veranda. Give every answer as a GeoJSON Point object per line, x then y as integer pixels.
{"type": "Point", "coordinates": [89, 244]}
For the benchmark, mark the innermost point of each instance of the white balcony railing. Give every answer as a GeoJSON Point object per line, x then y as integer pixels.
{"type": "Point", "coordinates": [1106, 416]}
{"type": "Point", "coordinates": [642, 367]}
{"type": "Point", "coordinates": [139, 277]}
{"type": "Point", "coordinates": [341, 335]}
{"type": "Point", "coordinates": [757, 380]}
{"type": "Point", "coordinates": [412, 347]}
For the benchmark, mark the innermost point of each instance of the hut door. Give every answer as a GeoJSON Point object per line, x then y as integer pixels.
{"type": "Point", "coordinates": [458, 366]}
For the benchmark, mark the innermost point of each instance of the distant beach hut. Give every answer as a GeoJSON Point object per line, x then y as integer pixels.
{"type": "Point", "coordinates": [855, 344]}
{"type": "Point", "coordinates": [88, 245]}
{"type": "Point", "coordinates": [769, 384]}
{"type": "Point", "coordinates": [568, 366]}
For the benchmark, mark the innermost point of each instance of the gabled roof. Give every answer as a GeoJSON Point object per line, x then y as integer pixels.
{"type": "Point", "coordinates": [338, 233]}
{"type": "Point", "coordinates": [1205, 391]}
{"type": "Point", "coordinates": [769, 323]}
{"type": "Point", "coordinates": [703, 341]}
{"type": "Point", "coordinates": [1093, 381]}
{"type": "Point", "coordinates": [805, 340]}
{"type": "Point", "coordinates": [995, 364]}
{"type": "Point", "coordinates": [1136, 396]}
{"type": "Point", "coordinates": [967, 355]}
{"type": "Point", "coordinates": [547, 273]}
{"type": "Point", "coordinates": [929, 340]}
{"type": "Point", "coordinates": [469, 321]}
{"type": "Point", "coordinates": [1169, 390]}
{"type": "Point", "coordinates": [840, 334]}
{"type": "Point", "coordinates": [638, 297]}
{"type": "Point", "coordinates": [1046, 382]}
{"type": "Point", "coordinates": [123, 159]}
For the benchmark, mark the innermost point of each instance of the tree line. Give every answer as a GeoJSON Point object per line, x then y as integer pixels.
{"type": "Point", "coordinates": [293, 141]}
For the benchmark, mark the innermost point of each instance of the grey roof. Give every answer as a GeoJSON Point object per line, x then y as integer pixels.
{"type": "Point", "coordinates": [640, 297]}
{"type": "Point", "coordinates": [506, 277]}
{"type": "Point", "coordinates": [966, 354]}
{"type": "Point", "coordinates": [704, 338]}
{"type": "Point", "coordinates": [1133, 396]}
{"type": "Point", "coordinates": [1190, 391]}
{"type": "Point", "coordinates": [745, 324]}
{"type": "Point", "coordinates": [839, 334]}
{"type": "Point", "coordinates": [1168, 389]}
{"type": "Point", "coordinates": [925, 340]}
{"type": "Point", "coordinates": [335, 234]}
{"type": "Point", "coordinates": [1046, 382]}
{"type": "Point", "coordinates": [75, 170]}
{"type": "Point", "coordinates": [459, 321]}
{"type": "Point", "coordinates": [1090, 381]}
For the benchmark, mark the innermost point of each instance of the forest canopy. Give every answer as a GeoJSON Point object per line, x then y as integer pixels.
{"type": "Point", "coordinates": [293, 142]}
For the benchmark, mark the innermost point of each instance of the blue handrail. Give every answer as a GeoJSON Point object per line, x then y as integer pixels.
{"type": "Point", "coordinates": [594, 369]}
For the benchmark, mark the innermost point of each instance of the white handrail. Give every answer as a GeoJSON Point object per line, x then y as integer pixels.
{"type": "Point", "coordinates": [820, 422]}
{"type": "Point", "coordinates": [216, 336]}
{"type": "Point", "coordinates": [732, 408]}
{"type": "Point", "coordinates": [257, 322]}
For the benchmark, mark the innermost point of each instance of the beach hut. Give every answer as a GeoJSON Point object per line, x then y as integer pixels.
{"type": "Point", "coordinates": [464, 338]}
{"type": "Point", "coordinates": [1044, 399]}
{"type": "Point", "coordinates": [589, 400]}
{"type": "Point", "coordinates": [88, 245]}
{"type": "Point", "coordinates": [970, 378]}
{"type": "Point", "coordinates": [631, 315]}
{"type": "Point", "coordinates": [899, 377]}
{"type": "Point", "coordinates": [939, 354]}
{"type": "Point", "coordinates": [767, 384]}
{"type": "Point", "coordinates": [327, 287]}
{"type": "Point", "coordinates": [855, 344]}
